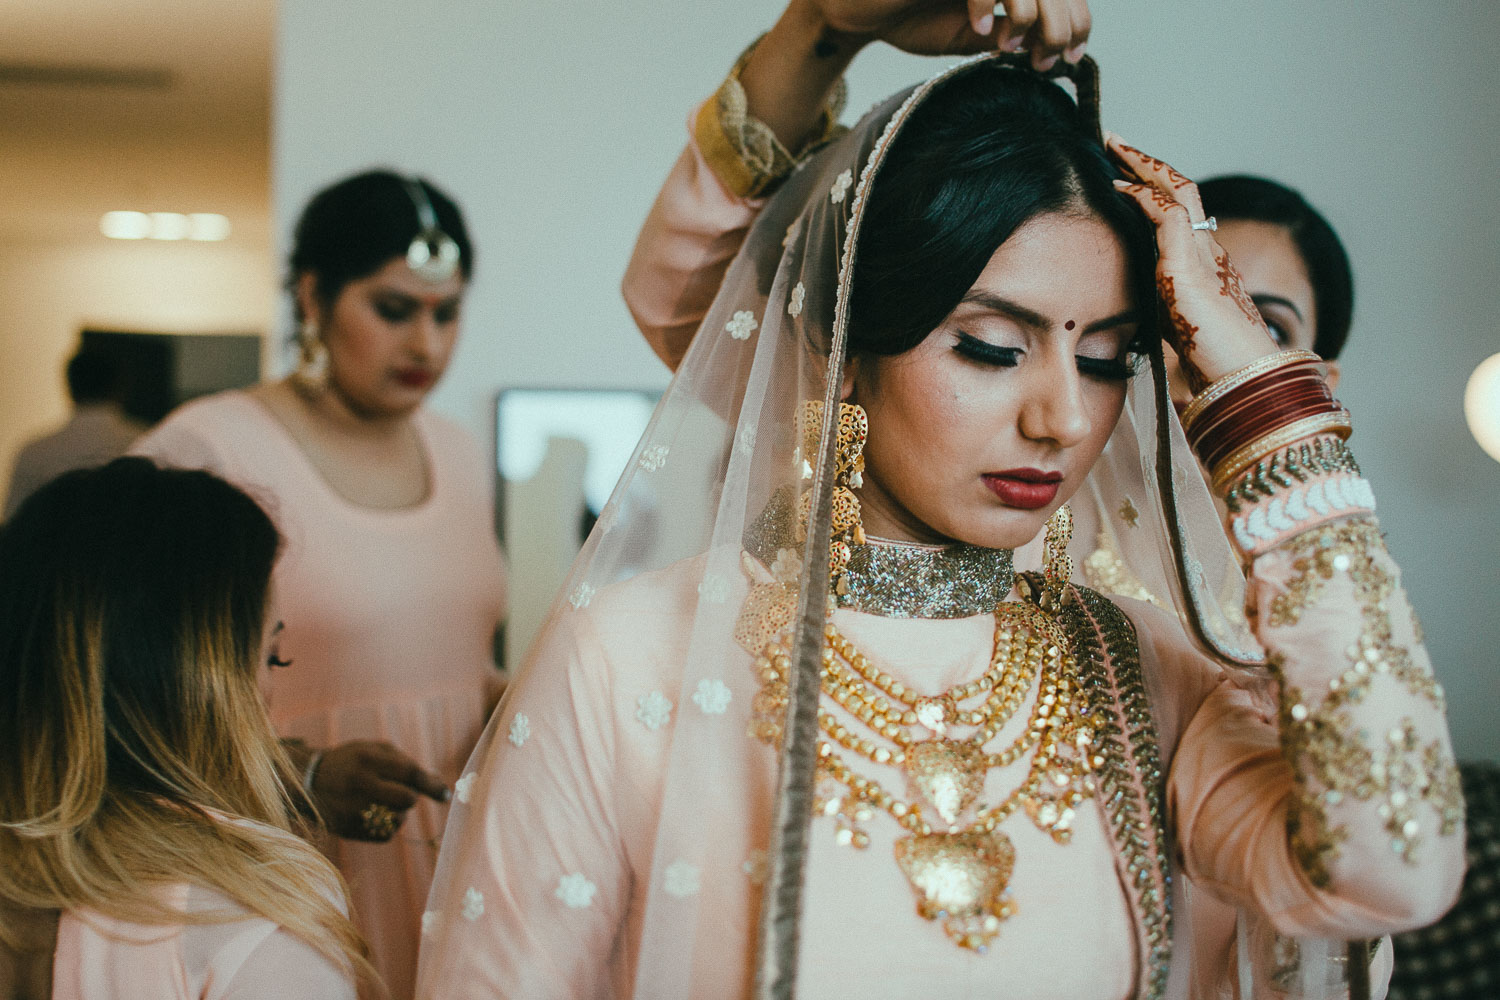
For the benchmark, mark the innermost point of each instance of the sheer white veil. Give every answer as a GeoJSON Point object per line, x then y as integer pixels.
{"type": "Point", "coordinates": [693, 871]}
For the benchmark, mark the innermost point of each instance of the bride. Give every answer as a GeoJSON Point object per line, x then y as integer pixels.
{"type": "Point", "coordinates": [797, 725]}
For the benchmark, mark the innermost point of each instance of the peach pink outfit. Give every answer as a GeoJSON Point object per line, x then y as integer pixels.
{"type": "Point", "coordinates": [548, 880]}
{"type": "Point", "coordinates": [389, 621]}
{"type": "Point", "coordinates": [99, 958]}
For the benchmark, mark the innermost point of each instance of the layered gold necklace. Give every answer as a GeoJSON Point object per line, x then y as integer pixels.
{"type": "Point", "coordinates": [958, 861]}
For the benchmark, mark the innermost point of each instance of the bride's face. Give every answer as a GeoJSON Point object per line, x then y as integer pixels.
{"type": "Point", "coordinates": [993, 421]}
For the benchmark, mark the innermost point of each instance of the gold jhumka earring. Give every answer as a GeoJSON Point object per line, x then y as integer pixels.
{"type": "Point", "coordinates": [312, 358]}
{"type": "Point", "coordinates": [847, 527]}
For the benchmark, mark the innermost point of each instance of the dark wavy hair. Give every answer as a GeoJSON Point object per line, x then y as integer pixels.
{"type": "Point", "coordinates": [1258, 199]}
{"type": "Point", "coordinates": [988, 151]}
{"type": "Point", "coordinates": [351, 229]}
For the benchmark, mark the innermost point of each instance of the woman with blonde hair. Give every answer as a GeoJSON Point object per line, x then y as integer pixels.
{"type": "Point", "coordinates": [147, 811]}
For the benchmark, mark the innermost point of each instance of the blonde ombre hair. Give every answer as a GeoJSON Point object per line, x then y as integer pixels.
{"type": "Point", "coordinates": [136, 743]}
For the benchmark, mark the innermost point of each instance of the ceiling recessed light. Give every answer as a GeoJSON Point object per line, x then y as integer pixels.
{"type": "Point", "coordinates": [125, 225]}
{"type": "Point", "coordinates": [169, 226]}
{"type": "Point", "coordinates": [207, 226]}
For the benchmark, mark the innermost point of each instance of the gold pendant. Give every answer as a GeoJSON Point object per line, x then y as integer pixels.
{"type": "Point", "coordinates": [949, 774]}
{"type": "Point", "coordinates": [960, 879]}
{"type": "Point", "coordinates": [936, 713]}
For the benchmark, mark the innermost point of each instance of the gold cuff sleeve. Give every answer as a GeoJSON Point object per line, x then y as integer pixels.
{"type": "Point", "coordinates": [743, 153]}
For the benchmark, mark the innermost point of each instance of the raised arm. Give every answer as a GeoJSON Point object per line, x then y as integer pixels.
{"type": "Point", "coordinates": [1338, 812]}
{"type": "Point", "coordinates": [781, 101]}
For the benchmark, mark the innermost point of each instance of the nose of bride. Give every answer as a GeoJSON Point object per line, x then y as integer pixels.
{"type": "Point", "coordinates": [1053, 410]}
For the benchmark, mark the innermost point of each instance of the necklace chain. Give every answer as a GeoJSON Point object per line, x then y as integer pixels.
{"type": "Point", "coordinates": [880, 722]}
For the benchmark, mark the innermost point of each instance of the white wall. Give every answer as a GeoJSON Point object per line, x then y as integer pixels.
{"type": "Point", "coordinates": [554, 126]}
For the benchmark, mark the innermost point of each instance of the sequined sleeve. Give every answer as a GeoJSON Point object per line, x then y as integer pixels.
{"type": "Point", "coordinates": [1332, 807]}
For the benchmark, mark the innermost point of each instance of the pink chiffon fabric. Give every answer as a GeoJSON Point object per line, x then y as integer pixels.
{"type": "Point", "coordinates": [389, 619]}
{"type": "Point", "coordinates": [100, 958]}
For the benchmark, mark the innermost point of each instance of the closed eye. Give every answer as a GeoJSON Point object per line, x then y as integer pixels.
{"type": "Point", "coordinates": [986, 353]}
{"type": "Point", "coordinates": [1112, 369]}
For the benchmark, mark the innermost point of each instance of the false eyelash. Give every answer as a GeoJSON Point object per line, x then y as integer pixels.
{"type": "Point", "coordinates": [986, 353]}
{"type": "Point", "coordinates": [1006, 357]}
{"type": "Point", "coordinates": [1112, 368]}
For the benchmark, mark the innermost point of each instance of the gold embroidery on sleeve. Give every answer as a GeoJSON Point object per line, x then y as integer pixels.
{"type": "Point", "coordinates": [1331, 755]}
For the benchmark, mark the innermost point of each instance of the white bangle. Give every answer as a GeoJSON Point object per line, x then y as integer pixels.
{"type": "Point", "coordinates": [311, 771]}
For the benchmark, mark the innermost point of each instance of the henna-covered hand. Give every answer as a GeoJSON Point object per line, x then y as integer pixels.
{"type": "Point", "coordinates": [1211, 321]}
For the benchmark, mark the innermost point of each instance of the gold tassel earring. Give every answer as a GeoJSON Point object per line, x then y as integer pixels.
{"type": "Point", "coordinates": [847, 529]}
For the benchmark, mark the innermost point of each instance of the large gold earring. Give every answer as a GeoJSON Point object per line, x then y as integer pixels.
{"type": "Point", "coordinates": [1057, 565]}
{"type": "Point", "coordinates": [312, 357]}
{"type": "Point", "coordinates": [847, 528]}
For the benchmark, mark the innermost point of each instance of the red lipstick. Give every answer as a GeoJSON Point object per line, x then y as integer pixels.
{"type": "Point", "coordinates": [1024, 489]}
{"type": "Point", "coordinates": [413, 378]}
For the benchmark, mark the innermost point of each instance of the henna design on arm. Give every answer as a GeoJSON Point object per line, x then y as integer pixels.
{"type": "Point", "coordinates": [1184, 334]}
{"type": "Point", "coordinates": [1231, 287]}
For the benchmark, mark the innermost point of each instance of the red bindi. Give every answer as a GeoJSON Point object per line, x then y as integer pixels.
{"type": "Point", "coordinates": [1069, 325]}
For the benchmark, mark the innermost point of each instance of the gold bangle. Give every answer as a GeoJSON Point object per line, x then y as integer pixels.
{"type": "Point", "coordinates": [1238, 377]}
{"type": "Point", "coordinates": [1330, 423]}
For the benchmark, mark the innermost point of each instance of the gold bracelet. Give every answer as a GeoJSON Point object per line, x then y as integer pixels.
{"type": "Point", "coordinates": [1336, 422]}
{"type": "Point", "coordinates": [1238, 377]}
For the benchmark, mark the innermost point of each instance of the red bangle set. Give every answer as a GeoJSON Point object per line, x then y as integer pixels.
{"type": "Point", "coordinates": [1270, 394]}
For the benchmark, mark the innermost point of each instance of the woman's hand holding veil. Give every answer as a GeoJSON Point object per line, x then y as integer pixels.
{"type": "Point", "coordinates": [1048, 29]}
{"type": "Point", "coordinates": [795, 67]}
{"type": "Point", "coordinates": [1210, 320]}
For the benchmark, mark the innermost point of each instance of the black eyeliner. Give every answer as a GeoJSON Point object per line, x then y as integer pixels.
{"type": "Point", "coordinates": [985, 353]}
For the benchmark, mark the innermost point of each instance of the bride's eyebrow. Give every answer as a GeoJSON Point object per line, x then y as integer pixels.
{"type": "Point", "coordinates": [1118, 319]}
{"type": "Point", "coordinates": [1035, 320]}
{"type": "Point", "coordinates": [1005, 307]}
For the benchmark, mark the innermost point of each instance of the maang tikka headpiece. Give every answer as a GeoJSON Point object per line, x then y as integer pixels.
{"type": "Point", "coordinates": [433, 255]}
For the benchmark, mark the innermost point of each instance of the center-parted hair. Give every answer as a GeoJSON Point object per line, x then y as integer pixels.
{"type": "Point", "coordinates": [990, 150]}
{"type": "Point", "coordinates": [136, 743]}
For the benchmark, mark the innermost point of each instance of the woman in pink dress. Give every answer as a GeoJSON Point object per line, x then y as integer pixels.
{"type": "Point", "coordinates": [147, 809]}
{"type": "Point", "coordinates": [392, 585]}
{"type": "Point", "coordinates": [819, 739]}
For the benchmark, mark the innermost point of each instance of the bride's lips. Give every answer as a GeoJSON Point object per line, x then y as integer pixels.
{"type": "Point", "coordinates": [1025, 489]}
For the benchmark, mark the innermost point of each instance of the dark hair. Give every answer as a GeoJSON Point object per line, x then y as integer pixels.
{"type": "Point", "coordinates": [1257, 199]}
{"type": "Point", "coordinates": [351, 229]}
{"type": "Point", "coordinates": [987, 152]}
{"type": "Point", "coordinates": [153, 576]}
{"type": "Point", "coordinates": [93, 376]}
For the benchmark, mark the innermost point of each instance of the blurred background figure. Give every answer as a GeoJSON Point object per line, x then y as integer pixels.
{"type": "Point", "coordinates": [147, 810]}
{"type": "Point", "coordinates": [1291, 260]}
{"type": "Point", "coordinates": [393, 586]}
{"type": "Point", "coordinates": [97, 431]}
